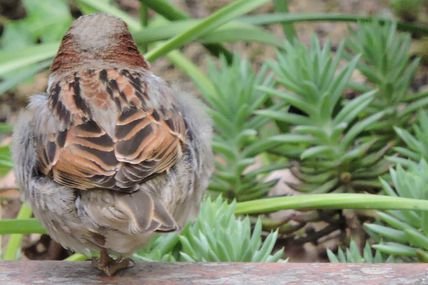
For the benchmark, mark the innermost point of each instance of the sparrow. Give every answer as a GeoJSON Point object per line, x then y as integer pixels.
{"type": "Point", "coordinates": [110, 154]}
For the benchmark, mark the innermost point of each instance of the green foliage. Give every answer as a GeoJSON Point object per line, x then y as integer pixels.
{"type": "Point", "coordinates": [416, 145]}
{"type": "Point", "coordinates": [162, 247]}
{"type": "Point", "coordinates": [233, 102]}
{"type": "Point", "coordinates": [326, 139]}
{"type": "Point", "coordinates": [46, 21]}
{"type": "Point", "coordinates": [217, 235]}
{"type": "Point", "coordinates": [220, 236]}
{"type": "Point", "coordinates": [5, 128]}
{"type": "Point", "coordinates": [404, 233]}
{"type": "Point", "coordinates": [386, 63]}
{"type": "Point", "coordinates": [5, 156]}
{"type": "Point", "coordinates": [353, 255]}
{"type": "Point", "coordinates": [5, 160]}
{"type": "Point", "coordinates": [218, 18]}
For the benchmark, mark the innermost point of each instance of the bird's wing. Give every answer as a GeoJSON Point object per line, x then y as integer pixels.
{"type": "Point", "coordinates": [114, 134]}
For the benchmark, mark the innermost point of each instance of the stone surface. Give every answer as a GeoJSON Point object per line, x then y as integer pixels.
{"type": "Point", "coordinates": [67, 273]}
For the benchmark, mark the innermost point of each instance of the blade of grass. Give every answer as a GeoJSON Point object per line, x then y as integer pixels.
{"type": "Point", "coordinates": [11, 61]}
{"type": "Point", "coordinates": [171, 13]}
{"type": "Point", "coordinates": [289, 31]}
{"type": "Point", "coordinates": [229, 32]}
{"type": "Point", "coordinates": [21, 226]}
{"type": "Point", "coordinates": [12, 81]}
{"type": "Point", "coordinates": [248, 34]}
{"type": "Point", "coordinates": [5, 160]}
{"type": "Point", "coordinates": [144, 19]}
{"type": "Point", "coordinates": [165, 9]}
{"type": "Point", "coordinates": [161, 30]}
{"type": "Point", "coordinates": [265, 19]}
{"type": "Point", "coordinates": [212, 22]}
{"type": "Point", "coordinates": [14, 243]}
{"type": "Point", "coordinates": [330, 201]}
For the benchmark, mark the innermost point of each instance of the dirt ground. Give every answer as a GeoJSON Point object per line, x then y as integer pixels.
{"type": "Point", "coordinates": [12, 101]}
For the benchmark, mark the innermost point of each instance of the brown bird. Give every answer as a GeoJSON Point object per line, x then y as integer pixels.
{"type": "Point", "coordinates": [110, 154]}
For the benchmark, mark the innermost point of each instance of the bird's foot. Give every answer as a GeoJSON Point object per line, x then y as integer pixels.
{"type": "Point", "coordinates": [111, 266]}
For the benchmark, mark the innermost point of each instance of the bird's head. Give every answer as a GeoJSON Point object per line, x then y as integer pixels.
{"type": "Point", "coordinates": [97, 39]}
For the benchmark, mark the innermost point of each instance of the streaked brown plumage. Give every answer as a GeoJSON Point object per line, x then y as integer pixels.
{"type": "Point", "coordinates": [145, 141]}
{"type": "Point", "coordinates": [111, 154]}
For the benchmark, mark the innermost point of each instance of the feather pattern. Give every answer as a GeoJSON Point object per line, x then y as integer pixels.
{"type": "Point", "coordinates": [84, 155]}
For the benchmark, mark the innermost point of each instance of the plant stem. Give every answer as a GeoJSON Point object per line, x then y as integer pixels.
{"type": "Point", "coordinates": [14, 243]}
{"type": "Point", "coordinates": [21, 226]}
{"type": "Point", "coordinates": [322, 17]}
{"type": "Point", "coordinates": [144, 17]}
{"type": "Point", "coordinates": [330, 201]}
{"type": "Point", "coordinates": [76, 257]}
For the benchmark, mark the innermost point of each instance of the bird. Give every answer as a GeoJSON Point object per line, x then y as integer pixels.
{"type": "Point", "coordinates": [110, 154]}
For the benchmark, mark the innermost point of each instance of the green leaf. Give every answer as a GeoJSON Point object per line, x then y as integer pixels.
{"type": "Point", "coordinates": [171, 13]}
{"type": "Point", "coordinates": [416, 238]}
{"type": "Point", "coordinates": [14, 243]}
{"type": "Point", "coordinates": [28, 72]}
{"type": "Point", "coordinates": [360, 127]}
{"type": "Point", "coordinates": [45, 21]}
{"type": "Point", "coordinates": [212, 22]}
{"type": "Point", "coordinates": [164, 8]}
{"type": "Point", "coordinates": [292, 138]}
{"type": "Point", "coordinates": [387, 232]}
{"type": "Point", "coordinates": [272, 18]}
{"type": "Point", "coordinates": [290, 98]}
{"type": "Point", "coordinates": [284, 117]}
{"type": "Point", "coordinates": [317, 151]}
{"type": "Point", "coordinates": [353, 108]}
{"type": "Point", "coordinates": [5, 160]}
{"type": "Point", "coordinates": [353, 255]}
{"type": "Point", "coordinates": [21, 226]}
{"type": "Point", "coordinates": [230, 32]}
{"type": "Point", "coordinates": [13, 60]}
{"type": "Point", "coordinates": [5, 128]}
{"type": "Point", "coordinates": [395, 249]}
{"type": "Point", "coordinates": [247, 34]}
{"type": "Point", "coordinates": [282, 6]}
{"type": "Point", "coordinates": [330, 201]}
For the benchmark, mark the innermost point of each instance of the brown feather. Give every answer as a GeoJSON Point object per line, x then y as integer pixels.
{"type": "Point", "coordinates": [86, 153]}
